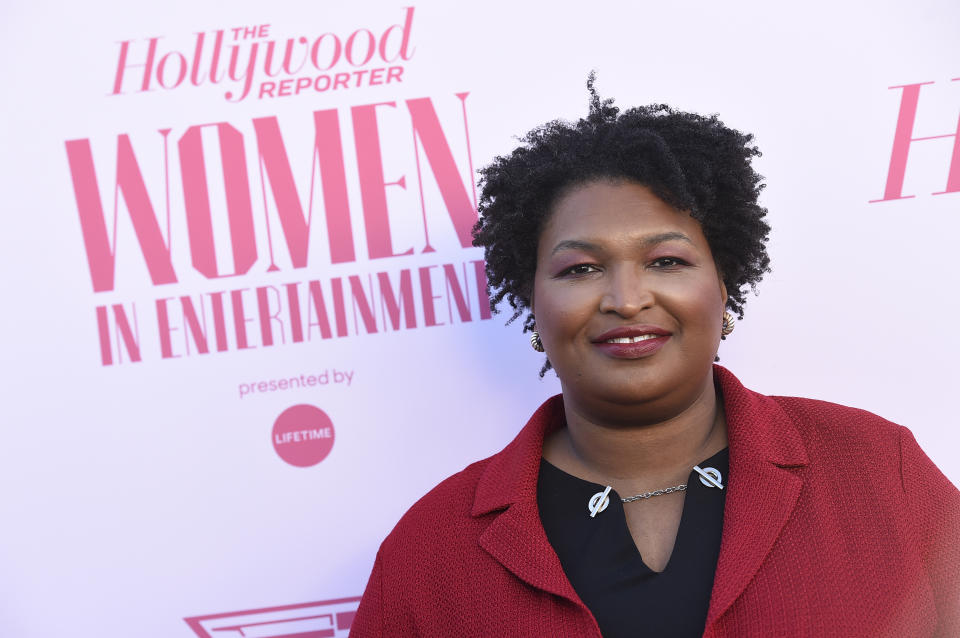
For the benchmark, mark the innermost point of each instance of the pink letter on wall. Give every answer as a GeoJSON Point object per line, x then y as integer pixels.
{"type": "Point", "coordinates": [197, 200]}
{"type": "Point", "coordinates": [100, 253]}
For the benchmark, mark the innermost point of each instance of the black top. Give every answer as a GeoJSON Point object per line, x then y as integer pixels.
{"type": "Point", "coordinates": [598, 555]}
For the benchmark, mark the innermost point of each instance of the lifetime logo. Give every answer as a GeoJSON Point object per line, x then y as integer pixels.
{"type": "Point", "coordinates": [903, 138]}
{"type": "Point", "coordinates": [303, 435]}
{"type": "Point", "coordinates": [323, 619]}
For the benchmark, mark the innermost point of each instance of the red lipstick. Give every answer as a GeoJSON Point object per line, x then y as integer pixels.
{"type": "Point", "coordinates": [632, 342]}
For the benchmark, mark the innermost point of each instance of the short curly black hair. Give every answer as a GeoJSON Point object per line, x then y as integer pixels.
{"type": "Point", "coordinates": [692, 162]}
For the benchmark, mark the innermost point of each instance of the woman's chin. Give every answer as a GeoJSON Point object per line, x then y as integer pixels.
{"type": "Point", "coordinates": [620, 390]}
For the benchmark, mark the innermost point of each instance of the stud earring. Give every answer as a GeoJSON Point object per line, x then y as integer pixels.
{"type": "Point", "coordinates": [727, 326]}
{"type": "Point", "coordinates": [535, 341]}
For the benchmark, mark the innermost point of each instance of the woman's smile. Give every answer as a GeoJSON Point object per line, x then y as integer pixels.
{"type": "Point", "coordinates": [632, 342]}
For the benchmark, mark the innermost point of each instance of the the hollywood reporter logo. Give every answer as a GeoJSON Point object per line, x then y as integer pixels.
{"type": "Point", "coordinates": [303, 435]}
{"type": "Point", "coordinates": [249, 56]}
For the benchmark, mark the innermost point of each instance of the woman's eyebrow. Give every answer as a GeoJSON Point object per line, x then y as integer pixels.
{"type": "Point", "coordinates": [660, 238]}
{"type": "Point", "coordinates": [590, 247]}
{"type": "Point", "coordinates": [575, 244]}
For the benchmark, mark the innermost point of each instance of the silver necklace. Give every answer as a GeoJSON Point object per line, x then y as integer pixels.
{"type": "Point", "coordinates": [709, 476]}
{"type": "Point", "coordinates": [670, 490]}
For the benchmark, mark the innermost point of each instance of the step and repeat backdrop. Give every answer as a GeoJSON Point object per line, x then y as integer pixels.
{"type": "Point", "coordinates": [244, 327]}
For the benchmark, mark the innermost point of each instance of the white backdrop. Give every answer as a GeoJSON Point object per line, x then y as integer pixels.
{"type": "Point", "coordinates": [138, 494]}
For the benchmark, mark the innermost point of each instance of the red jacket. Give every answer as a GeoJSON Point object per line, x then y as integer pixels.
{"type": "Point", "coordinates": [836, 524]}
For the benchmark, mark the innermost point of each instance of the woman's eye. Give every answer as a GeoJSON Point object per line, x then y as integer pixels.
{"type": "Point", "coordinates": [579, 269]}
{"type": "Point", "coordinates": [669, 262]}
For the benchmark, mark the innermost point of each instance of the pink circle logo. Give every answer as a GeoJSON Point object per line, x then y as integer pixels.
{"type": "Point", "coordinates": [303, 435]}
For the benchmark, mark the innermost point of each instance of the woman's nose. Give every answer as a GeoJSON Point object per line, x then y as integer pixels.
{"type": "Point", "coordinates": [627, 292]}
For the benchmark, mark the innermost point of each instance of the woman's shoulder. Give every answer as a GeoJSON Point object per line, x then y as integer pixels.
{"type": "Point", "coordinates": [441, 514]}
{"type": "Point", "coordinates": [868, 451]}
{"type": "Point", "coordinates": [843, 432]}
{"type": "Point", "coordinates": [815, 414]}
{"type": "Point", "coordinates": [814, 420]}
{"type": "Point", "coordinates": [460, 506]}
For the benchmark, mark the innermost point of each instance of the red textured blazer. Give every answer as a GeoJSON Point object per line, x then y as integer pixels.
{"type": "Point", "coordinates": [836, 524]}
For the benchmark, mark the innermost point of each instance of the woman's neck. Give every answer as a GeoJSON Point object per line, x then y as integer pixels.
{"type": "Point", "coordinates": [642, 456]}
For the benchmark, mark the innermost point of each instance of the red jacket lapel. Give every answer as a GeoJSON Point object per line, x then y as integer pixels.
{"type": "Point", "coordinates": [516, 537]}
{"type": "Point", "coordinates": [761, 490]}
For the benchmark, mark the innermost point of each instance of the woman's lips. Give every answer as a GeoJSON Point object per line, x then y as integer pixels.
{"type": "Point", "coordinates": [632, 342]}
{"type": "Point", "coordinates": [633, 349]}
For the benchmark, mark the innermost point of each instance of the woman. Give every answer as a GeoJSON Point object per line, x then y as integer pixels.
{"type": "Point", "coordinates": [656, 496]}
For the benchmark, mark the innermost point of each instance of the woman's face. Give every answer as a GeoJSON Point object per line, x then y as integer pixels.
{"type": "Point", "coordinates": [627, 299]}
